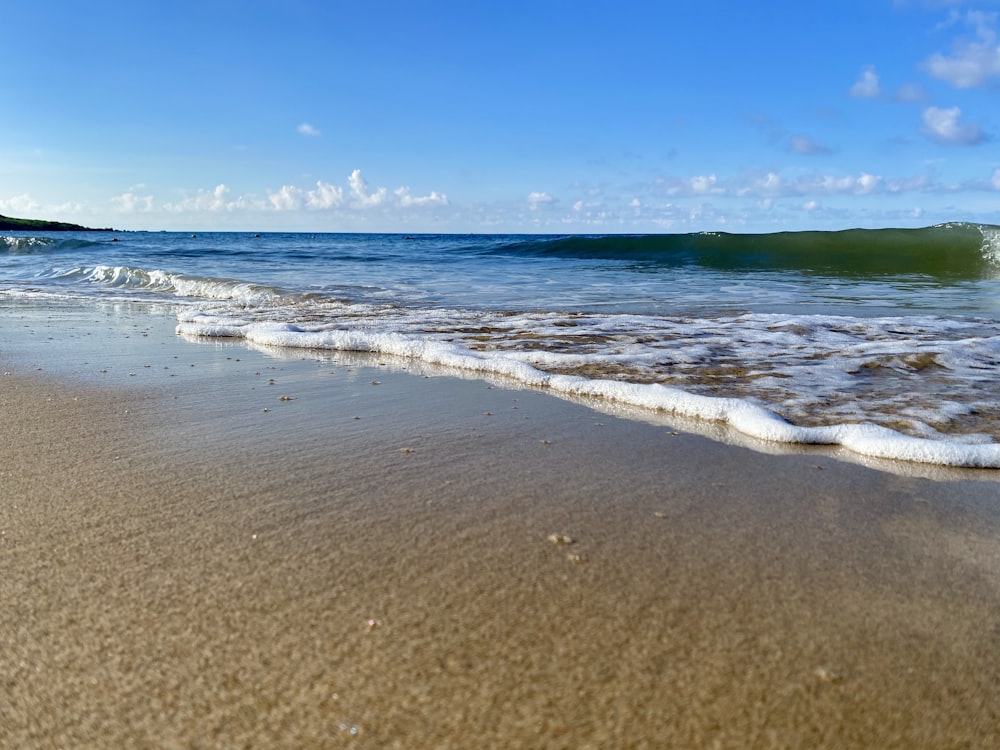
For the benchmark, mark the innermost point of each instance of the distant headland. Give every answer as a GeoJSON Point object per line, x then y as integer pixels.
{"type": "Point", "coordinates": [38, 225]}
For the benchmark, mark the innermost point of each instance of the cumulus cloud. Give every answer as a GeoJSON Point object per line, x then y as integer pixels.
{"type": "Point", "coordinates": [23, 203]}
{"type": "Point", "coordinates": [25, 207]}
{"type": "Point", "coordinates": [973, 61]}
{"type": "Point", "coordinates": [943, 126]}
{"type": "Point", "coordinates": [434, 199]}
{"type": "Point", "coordinates": [359, 196]}
{"type": "Point", "coordinates": [706, 185]}
{"type": "Point", "coordinates": [324, 195]}
{"type": "Point", "coordinates": [216, 199]}
{"type": "Point", "coordinates": [131, 202]}
{"type": "Point", "coordinates": [307, 129]}
{"type": "Point", "coordinates": [867, 183]}
{"type": "Point", "coordinates": [867, 85]}
{"type": "Point", "coordinates": [362, 198]}
{"type": "Point", "coordinates": [286, 198]}
{"type": "Point", "coordinates": [292, 198]}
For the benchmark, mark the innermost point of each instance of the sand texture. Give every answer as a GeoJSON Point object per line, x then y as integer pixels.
{"type": "Point", "coordinates": [207, 546]}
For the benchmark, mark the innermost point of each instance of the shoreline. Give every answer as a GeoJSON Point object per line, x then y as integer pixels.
{"type": "Point", "coordinates": [368, 563]}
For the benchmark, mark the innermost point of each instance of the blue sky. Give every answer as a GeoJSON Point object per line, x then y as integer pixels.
{"type": "Point", "coordinates": [519, 116]}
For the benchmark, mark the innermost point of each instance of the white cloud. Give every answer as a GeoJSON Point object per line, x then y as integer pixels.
{"type": "Point", "coordinates": [831, 185]}
{"type": "Point", "coordinates": [943, 125]}
{"type": "Point", "coordinates": [324, 196]}
{"type": "Point", "coordinates": [434, 199]}
{"type": "Point", "coordinates": [767, 187]}
{"type": "Point", "coordinates": [863, 184]}
{"type": "Point", "coordinates": [215, 200]}
{"type": "Point", "coordinates": [23, 203]}
{"type": "Point", "coordinates": [867, 86]}
{"type": "Point", "coordinates": [25, 207]}
{"type": "Point", "coordinates": [287, 198]}
{"type": "Point", "coordinates": [359, 191]}
{"type": "Point", "coordinates": [130, 202]}
{"type": "Point", "coordinates": [771, 185]}
{"type": "Point", "coordinates": [291, 198]}
{"type": "Point", "coordinates": [538, 199]}
{"type": "Point", "coordinates": [868, 183]}
{"type": "Point", "coordinates": [705, 185]}
{"type": "Point", "coordinates": [765, 198]}
{"type": "Point", "coordinates": [307, 129]}
{"type": "Point", "coordinates": [995, 181]}
{"type": "Point", "coordinates": [595, 212]}
{"type": "Point", "coordinates": [697, 185]}
{"type": "Point", "coordinates": [973, 62]}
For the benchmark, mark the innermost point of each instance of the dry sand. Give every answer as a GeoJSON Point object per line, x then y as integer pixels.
{"type": "Point", "coordinates": [188, 560]}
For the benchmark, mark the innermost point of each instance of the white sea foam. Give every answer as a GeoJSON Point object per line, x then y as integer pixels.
{"type": "Point", "coordinates": [182, 285]}
{"type": "Point", "coordinates": [740, 413]}
{"type": "Point", "coordinates": [782, 352]}
{"type": "Point", "coordinates": [991, 246]}
{"type": "Point", "coordinates": [20, 244]}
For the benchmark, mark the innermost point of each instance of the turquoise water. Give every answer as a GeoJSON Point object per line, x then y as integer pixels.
{"type": "Point", "coordinates": [885, 341]}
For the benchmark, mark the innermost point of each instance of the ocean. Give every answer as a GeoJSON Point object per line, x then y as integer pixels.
{"type": "Point", "coordinates": [885, 342]}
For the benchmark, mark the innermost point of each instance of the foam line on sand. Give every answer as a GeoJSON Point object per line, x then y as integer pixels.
{"type": "Point", "coordinates": [209, 546]}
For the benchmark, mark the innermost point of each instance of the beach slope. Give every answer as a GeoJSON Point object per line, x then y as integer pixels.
{"type": "Point", "coordinates": [214, 546]}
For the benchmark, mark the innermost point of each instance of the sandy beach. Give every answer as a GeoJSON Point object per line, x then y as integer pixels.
{"type": "Point", "coordinates": [213, 546]}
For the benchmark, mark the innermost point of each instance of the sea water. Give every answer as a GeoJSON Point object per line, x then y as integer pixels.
{"type": "Point", "coordinates": [886, 342]}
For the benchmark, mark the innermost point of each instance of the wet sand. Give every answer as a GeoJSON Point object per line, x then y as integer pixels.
{"type": "Point", "coordinates": [209, 546]}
